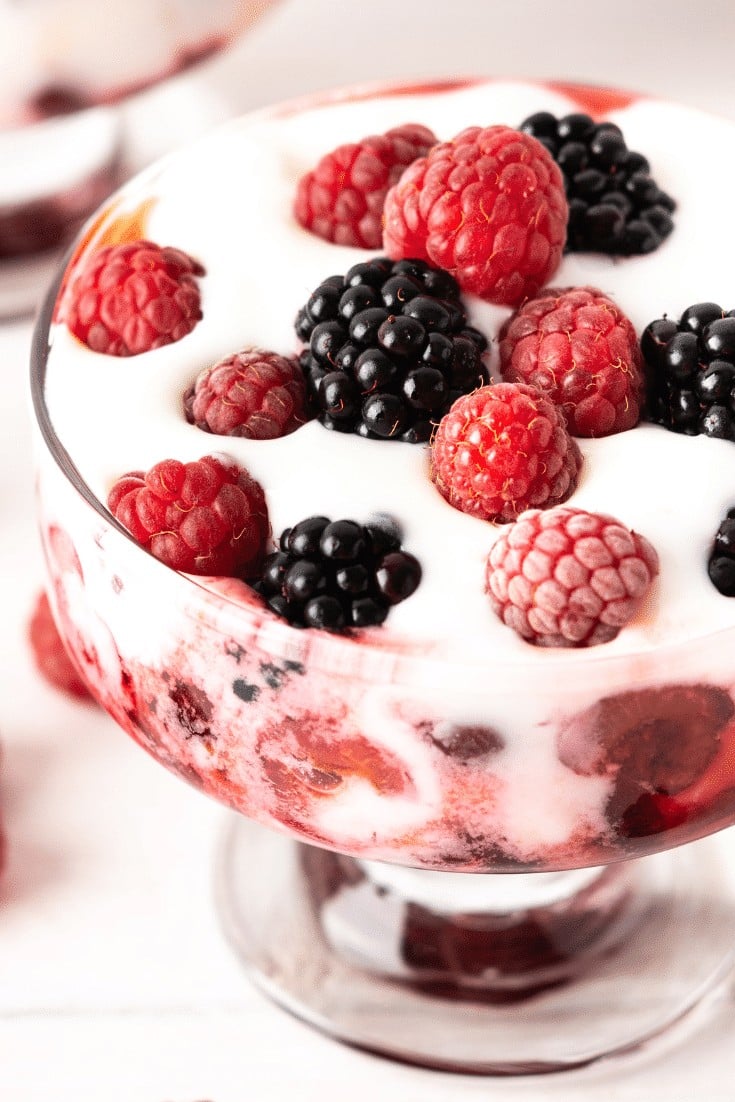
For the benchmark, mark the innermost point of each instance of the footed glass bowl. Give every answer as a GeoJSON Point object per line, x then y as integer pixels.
{"type": "Point", "coordinates": [465, 866]}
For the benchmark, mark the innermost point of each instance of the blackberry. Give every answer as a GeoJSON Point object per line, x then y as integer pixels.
{"type": "Point", "coordinates": [690, 371]}
{"type": "Point", "coordinates": [389, 349]}
{"type": "Point", "coordinates": [615, 206]}
{"type": "Point", "coordinates": [338, 575]}
{"type": "Point", "coordinates": [721, 565]}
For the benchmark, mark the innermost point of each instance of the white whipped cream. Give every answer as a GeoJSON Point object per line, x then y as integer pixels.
{"type": "Point", "coordinates": [227, 201]}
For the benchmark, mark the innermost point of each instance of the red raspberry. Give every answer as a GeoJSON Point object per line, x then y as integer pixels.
{"type": "Point", "coordinates": [488, 206]}
{"type": "Point", "coordinates": [669, 750]}
{"type": "Point", "coordinates": [568, 578]}
{"type": "Point", "coordinates": [205, 517]}
{"type": "Point", "coordinates": [128, 299]}
{"type": "Point", "coordinates": [577, 346]}
{"type": "Point", "coordinates": [307, 755]}
{"type": "Point", "coordinates": [342, 198]}
{"type": "Point", "coordinates": [256, 394]}
{"type": "Point", "coordinates": [660, 739]}
{"type": "Point", "coordinates": [503, 449]}
{"type": "Point", "coordinates": [49, 653]}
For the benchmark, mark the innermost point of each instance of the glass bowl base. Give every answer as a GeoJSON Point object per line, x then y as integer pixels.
{"type": "Point", "coordinates": [588, 964]}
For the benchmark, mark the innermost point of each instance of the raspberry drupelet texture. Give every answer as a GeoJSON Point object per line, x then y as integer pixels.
{"type": "Point", "coordinates": [577, 346]}
{"type": "Point", "coordinates": [342, 198]}
{"type": "Point", "coordinates": [128, 299]}
{"type": "Point", "coordinates": [615, 206]}
{"type": "Point", "coordinates": [205, 517]}
{"type": "Point", "coordinates": [690, 371]}
{"type": "Point", "coordinates": [389, 349]}
{"type": "Point", "coordinates": [504, 449]}
{"type": "Point", "coordinates": [337, 575]}
{"type": "Point", "coordinates": [488, 206]}
{"type": "Point", "coordinates": [255, 394]}
{"type": "Point", "coordinates": [568, 578]}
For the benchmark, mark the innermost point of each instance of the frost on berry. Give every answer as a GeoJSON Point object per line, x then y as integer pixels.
{"type": "Point", "coordinates": [341, 199]}
{"type": "Point", "coordinates": [579, 348]}
{"type": "Point", "coordinates": [194, 709]}
{"type": "Point", "coordinates": [503, 449]}
{"type": "Point", "coordinates": [567, 578]}
{"type": "Point", "coordinates": [131, 298]}
{"type": "Point", "coordinates": [255, 394]}
{"type": "Point", "coordinates": [207, 517]}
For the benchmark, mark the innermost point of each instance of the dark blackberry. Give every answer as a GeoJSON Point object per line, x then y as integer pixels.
{"type": "Point", "coordinates": [389, 349]}
{"type": "Point", "coordinates": [338, 575]}
{"type": "Point", "coordinates": [615, 205]}
{"type": "Point", "coordinates": [690, 371]}
{"type": "Point", "coordinates": [721, 565]}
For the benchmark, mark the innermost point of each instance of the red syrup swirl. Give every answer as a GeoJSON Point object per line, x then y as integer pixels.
{"type": "Point", "coordinates": [594, 101]}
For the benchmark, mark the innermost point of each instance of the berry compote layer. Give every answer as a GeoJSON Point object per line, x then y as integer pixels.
{"type": "Point", "coordinates": [440, 739]}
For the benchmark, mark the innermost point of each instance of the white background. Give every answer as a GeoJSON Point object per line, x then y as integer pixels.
{"type": "Point", "coordinates": [115, 984]}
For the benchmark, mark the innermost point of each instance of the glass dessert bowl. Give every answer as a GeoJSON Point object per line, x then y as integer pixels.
{"type": "Point", "coordinates": [64, 64]}
{"type": "Point", "coordinates": [474, 858]}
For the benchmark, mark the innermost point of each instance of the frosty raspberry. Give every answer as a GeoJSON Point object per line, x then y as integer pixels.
{"type": "Point", "coordinates": [569, 578]}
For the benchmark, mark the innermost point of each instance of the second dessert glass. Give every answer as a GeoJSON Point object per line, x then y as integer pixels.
{"type": "Point", "coordinates": [65, 67]}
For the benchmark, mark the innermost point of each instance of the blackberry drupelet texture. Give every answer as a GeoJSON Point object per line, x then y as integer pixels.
{"type": "Point", "coordinates": [615, 206]}
{"type": "Point", "coordinates": [337, 575]}
{"type": "Point", "coordinates": [721, 565]}
{"type": "Point", "coordinates": [690, 371]}
{"type": "Point", "coordinates": [389, 349]}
